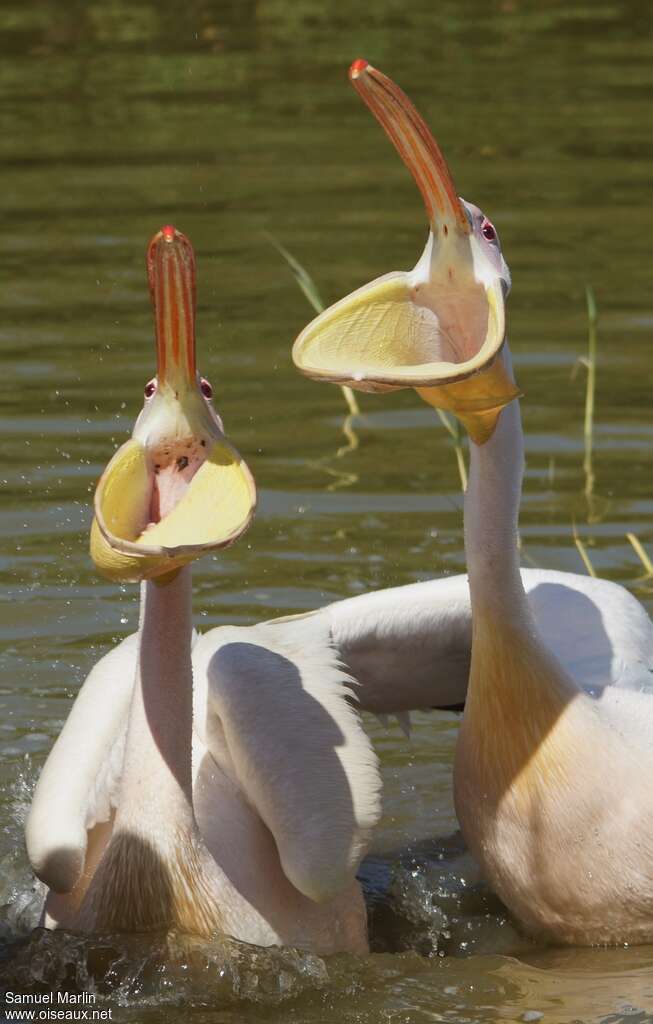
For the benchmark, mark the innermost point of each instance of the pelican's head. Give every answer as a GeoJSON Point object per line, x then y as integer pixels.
{"type": "Point", "coordinates": [177, 488]}
{"type": "Point", "coordinates": [440, 327]}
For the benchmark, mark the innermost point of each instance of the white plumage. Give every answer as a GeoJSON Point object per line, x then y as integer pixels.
{"type": "Point", "coordinates": [213, 784]}
{"type": "Point", "coordinates": [275, 729]}
{"type": "Point", "coordinates": [555, 750]}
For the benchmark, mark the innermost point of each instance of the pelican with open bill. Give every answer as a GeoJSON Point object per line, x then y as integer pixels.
{"type": "Point", "coordinates": [554, 757]}
{"type": "Point", "coordinates": [437, 325]}
{"type": "Point", "coordinates": [177, 489]}
{"type": "Point", "coordinates": [215, 784]}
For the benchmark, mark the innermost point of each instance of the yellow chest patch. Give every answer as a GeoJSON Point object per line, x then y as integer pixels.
{"type": "Point", "coordinates": [137, 888]}
{"type": "Point", "coordinates": [516, 729]}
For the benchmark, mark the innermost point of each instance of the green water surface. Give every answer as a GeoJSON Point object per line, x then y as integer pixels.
{"type": "Point", "coordinates": [231, 120]}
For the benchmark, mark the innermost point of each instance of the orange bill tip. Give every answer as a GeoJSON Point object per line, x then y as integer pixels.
{"type": "Point", "coordinates": [357, 67]}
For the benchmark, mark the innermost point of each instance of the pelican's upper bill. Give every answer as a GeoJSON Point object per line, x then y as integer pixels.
{"type": "Point", "coordinates": [440, 323]}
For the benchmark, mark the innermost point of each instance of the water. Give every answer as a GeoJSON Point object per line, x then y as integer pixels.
{"type": "Point", "coordinates": [231, 120]}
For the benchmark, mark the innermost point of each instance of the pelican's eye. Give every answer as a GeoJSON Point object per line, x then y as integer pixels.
{"type": "Point", "coordinates": [206, 388]}
{"type": "Point", "coordinates": [150, 388]}
{"type": "Point", "coordinates": [488, 231]}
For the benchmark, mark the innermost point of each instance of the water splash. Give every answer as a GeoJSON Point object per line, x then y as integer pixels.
{"type": "Point", "coordinates": [429, 899]}
{"type": "Point", "coordinates": [163, 969]}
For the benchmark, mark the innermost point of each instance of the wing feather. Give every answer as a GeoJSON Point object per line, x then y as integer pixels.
{"type": "Point", "coordinates": [296, 747]}
{"type": "Point", "coordinates": [79, 782]}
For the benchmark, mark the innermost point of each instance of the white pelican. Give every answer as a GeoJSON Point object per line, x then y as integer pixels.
{"type": "Point", "coordinates": [553, 766]}
{"type": "Point", "coordinates": [246, 806]}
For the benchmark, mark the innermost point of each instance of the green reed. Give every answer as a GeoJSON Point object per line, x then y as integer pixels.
{"type": "Point", "coordinates": [309, 288]}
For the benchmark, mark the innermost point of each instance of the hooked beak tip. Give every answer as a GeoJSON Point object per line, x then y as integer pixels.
{"type": "Point", "coordinates": [357, 68]}
{"type": "Point", "coordinates": [167, 235]}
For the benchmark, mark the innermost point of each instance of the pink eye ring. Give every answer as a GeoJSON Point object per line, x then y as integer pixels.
{"type": "Point", "coordinates": [488, 231]}
{"type": "Point", "coordinates": [150, 388]}
{"type": "Point", "coordinates": [206, 388]}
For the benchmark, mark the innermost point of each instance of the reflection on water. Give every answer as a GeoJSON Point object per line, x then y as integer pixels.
{"type": "Point", "coordinates": [231, 119]}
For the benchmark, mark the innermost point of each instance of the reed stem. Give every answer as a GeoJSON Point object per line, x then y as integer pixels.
{"type": "Point", "coordinates": [590, 389]}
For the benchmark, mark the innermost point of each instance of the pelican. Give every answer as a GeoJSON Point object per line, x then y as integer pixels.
{"type": "Point", "coordinates": [553, 765]}
{"type": "Point", "coordinates": [235, 797]}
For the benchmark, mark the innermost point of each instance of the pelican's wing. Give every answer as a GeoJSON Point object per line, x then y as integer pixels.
{"type": "Point", "coordinates": [278, 717]}
{"type": "Point", "coordinates": [78, 785]}
{"type": "Point", "coordinates": [406, 647]}
{"type": "Point", "coordinates": [597, 629]}
{"type": "Point", "coordinates": [409, 647]}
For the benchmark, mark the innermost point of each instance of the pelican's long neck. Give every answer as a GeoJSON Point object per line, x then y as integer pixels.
{"type": "Point", "coordinates": [491, 520]}
{"type": "Point", "coordinates": [517, 688]}
{"type": "Point", "coordinates": [157, 778]}
{"type": "Point", "coordinates": [153, 874]}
